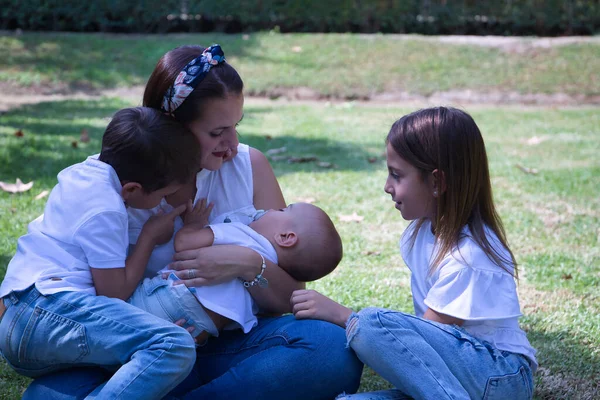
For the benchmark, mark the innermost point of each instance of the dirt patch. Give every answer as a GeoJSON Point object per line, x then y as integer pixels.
{"type": "Point", "coordinates": [11, 97]}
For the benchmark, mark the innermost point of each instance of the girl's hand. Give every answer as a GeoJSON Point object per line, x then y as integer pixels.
{"type": "Point", "coordinates": [198, 215]}
{"type": "Point", "coordinates": [159, 228]}
{"type": "Point", "coordinates": [310, 304]}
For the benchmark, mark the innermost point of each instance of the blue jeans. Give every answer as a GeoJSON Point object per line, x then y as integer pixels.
{"type": "Point", "coordinates": [428, 360]}
{"type": "Point", "coordinates": [42, 334]}
{"type": "Point", "coordinates": [170, 302]}
{"type": "Point", "coordinates": [281, 358]}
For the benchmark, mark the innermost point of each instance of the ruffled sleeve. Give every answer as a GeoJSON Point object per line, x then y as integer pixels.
{"type": "Point", "coordinates": [473, 294]}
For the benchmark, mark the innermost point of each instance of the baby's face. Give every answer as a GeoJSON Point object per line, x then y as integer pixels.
{"type": "Point", "coordinates": [284, 218]}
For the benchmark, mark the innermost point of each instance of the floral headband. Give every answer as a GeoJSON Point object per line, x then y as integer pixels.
{"type": "Point", "coordinates": [190, 76]}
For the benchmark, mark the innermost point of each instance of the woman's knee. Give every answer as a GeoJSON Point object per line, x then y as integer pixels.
{"type": "Point", "coordinates": [334, 358]}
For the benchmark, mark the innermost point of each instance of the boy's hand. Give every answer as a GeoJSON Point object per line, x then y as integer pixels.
{"type": "Point", "coordinates": [198, 215]}
{"type": "Point", "coordinates": [312, 304]}
{"type": "Point", "coordinates": [159, 228]}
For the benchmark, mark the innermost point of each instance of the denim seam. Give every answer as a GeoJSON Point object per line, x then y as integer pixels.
{"type": "Point", "coordinates": [20, 310]}
{"type": "Point", "coordinates": [412, 353]}
{"type": "Point", "coordinates": [143, 370]}
{"type": "Point", "coordinates": [238, 350]}
{"type": "Point", "coordinates": [466, 336]}
{"type": "Point", "coordinates": [99, 315]}
{"type": "Point", "coordinates": [39, 312]}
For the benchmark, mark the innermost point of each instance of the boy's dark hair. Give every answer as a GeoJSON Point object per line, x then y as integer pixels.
{"type": "Point", "coordinates": [144, 145]}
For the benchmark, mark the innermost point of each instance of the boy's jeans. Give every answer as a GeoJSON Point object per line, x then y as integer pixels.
{"type": "Point", "coordinates": [428, 360]}
{"type": "Point", "coordinates": [41, 334]}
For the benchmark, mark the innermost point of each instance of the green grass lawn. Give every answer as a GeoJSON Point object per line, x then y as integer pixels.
{"type": "Point", "coordinates": [552, 217]}
{"type": "Point", "coordinates": [338, 65]}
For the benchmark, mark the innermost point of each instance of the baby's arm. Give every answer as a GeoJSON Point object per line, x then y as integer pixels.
{"type": "Point", "coordinates": [121, 282]}
{"type": "Point", "coordinates": [310, 304]}
{"type": "Point", "coordinates": [194, 235]}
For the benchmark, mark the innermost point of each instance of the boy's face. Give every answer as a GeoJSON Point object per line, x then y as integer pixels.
{"type": "Point", "coordinates": [137, 198]}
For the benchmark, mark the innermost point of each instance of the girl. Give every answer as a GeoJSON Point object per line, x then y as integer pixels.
{"type": "Point", "coordinates": [465, 341]}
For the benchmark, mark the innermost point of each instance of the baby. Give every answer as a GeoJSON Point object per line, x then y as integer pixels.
{"type": "Point", "coordinates": [300, 238]}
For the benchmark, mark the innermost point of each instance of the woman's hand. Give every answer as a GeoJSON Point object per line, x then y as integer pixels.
{"type": "Point", "coordinates": [212, 265]}
{"type": "Point", "coordinates": [310, 304]}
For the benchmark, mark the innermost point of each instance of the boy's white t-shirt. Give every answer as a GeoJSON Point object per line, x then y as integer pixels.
{"type": "Point", "coordinates": [469, 286]}
{"type": "Point", "coordinates": [84, 225]}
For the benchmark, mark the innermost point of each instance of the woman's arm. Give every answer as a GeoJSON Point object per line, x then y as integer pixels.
{"type": "Point", "coordinates": [268, 195]}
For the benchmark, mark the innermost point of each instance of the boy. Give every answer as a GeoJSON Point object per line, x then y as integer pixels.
{"type": "Point", "coordinates": [300, 238]}
{"type": "Point", "coordinates": [60, 293]}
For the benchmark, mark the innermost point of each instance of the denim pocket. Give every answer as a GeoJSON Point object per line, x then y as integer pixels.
{"type": "Point", "coordinates": [50, 339]}
{"type": "Point", "coordinates": [513, 386]}
{"type": "Point", "coordinates": [150, 285]}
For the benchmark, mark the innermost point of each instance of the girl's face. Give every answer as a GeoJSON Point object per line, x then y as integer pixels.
{"type": "Point", "coordinates": [216, 130]}
{"type": "Point", "coordinates": [413, 196]}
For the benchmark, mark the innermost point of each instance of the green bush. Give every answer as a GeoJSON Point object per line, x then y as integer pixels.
{"type": "Point", "coordinates": [479, 17]}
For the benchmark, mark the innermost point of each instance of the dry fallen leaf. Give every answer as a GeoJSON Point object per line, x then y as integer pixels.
{"type": "Point", "coordinates": [84, 138]}
{"type": "Point", "coordinates": [324, 164]}
{"type": "Point", "coordinates": [303, 159]}
{"type": "Point", "coordinates": [271, 152]}
{"type": "Point", "coordinates": [308, 200]}
{"type": "Point", "coordinates": [351, 218]}
{"type": "Point", "coordinates": [567, 276]}
{"type": "Point", "coordinates": [269, 137]}
{"type": "Point", "coordinates": [372, 160]}
{"type": "Point", "coordinates": [530, 171]}
{"type": "Point", "coordinates": [19, 133]}
{"type": "Point", "coordinates": [371, 253]}
{"type": "Point", "coordinates": [74, 144]}
{"type": "Point", "coordinates": [535, 140]}
{"type": "Point", "coordinates": [17, 187]}
{"type": "Point", "coordinates": [42, 194]}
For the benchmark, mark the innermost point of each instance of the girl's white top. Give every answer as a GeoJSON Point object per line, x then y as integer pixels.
{"type": "Point", "coordinates": [469, 286]}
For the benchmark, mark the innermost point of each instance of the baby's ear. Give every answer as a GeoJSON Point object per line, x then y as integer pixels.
{"type": "Point", "coordinates": [286, 239]}
{"type": "Point", "coordinates": [130, 189]}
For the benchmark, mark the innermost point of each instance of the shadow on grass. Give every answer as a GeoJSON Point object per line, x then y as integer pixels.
{"type": "Point", "coordinates": [569, 368]}
{"type": "Point", "coordinates": [51, 128]}
{"type": "Point", "coordinates": [89, 61]}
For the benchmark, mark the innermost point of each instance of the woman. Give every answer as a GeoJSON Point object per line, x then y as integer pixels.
{"type": "Point", "coordinates": [281, 358]}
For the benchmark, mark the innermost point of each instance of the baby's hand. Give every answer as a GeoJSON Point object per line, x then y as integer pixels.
{"type": "Point", "coordinates": [312, 304]}
{"type": "Point", "coordinates": [159, 228]}
{"type": "Point", "coordinates": [198, 215]}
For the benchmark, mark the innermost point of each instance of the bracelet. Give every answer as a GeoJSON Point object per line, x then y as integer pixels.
{"type": "Point", "coordinates": [259, 280]}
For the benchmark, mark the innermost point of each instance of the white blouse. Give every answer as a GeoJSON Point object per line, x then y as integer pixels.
{"type": "Point", "coordinates": [469, 286]}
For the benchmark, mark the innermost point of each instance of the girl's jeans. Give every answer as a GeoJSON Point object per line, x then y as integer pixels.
{"type": "Point", "coordinates": [41, 334]}
{"type": "Point", "coordinates": [282, 358]}
{"type": "Point", "coordinates": [429, 360]}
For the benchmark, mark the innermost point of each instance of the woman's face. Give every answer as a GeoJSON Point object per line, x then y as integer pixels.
{"type": "Point", "coordinates": [216, 130]}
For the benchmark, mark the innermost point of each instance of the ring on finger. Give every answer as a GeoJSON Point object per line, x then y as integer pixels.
{"type": "Point", "coordinates": [191, 273]}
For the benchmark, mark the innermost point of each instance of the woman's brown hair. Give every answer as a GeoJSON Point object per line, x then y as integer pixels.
{"type": "Point", "coordinates": [447, 139]}
{"type": "Point", "coordinates": [221, 81]}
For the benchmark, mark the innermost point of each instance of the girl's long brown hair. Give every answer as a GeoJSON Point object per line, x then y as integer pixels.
{"type": "Point", "coordinates": [447, 139]}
